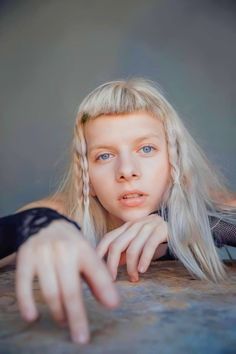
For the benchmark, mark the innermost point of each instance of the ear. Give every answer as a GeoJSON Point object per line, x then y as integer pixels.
{"type": "Point", "coordinates": [91, 190]}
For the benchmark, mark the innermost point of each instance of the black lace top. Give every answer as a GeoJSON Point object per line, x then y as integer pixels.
{"type": "Point", "coordinates": [17, 228]}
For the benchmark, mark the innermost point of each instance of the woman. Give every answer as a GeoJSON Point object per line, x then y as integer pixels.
{"type": "Point", "coordinates": [139, 187]}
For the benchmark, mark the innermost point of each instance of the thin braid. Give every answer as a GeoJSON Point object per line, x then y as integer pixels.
{"type": "Point", "coordinates": [78, 177]}
{"type": "Point", "coordinates": [82, 183]}
{"type": "Point", "coordinates": [84, 167]}
{"type": "Point", "coordinates": [172, 152]}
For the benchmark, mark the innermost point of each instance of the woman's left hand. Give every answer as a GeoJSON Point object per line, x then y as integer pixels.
{"type": "Point", "coordinates": [139, 242]}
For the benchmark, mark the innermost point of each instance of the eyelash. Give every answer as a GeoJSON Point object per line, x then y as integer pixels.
{"type": "Point", "coordinates": [99, 157]}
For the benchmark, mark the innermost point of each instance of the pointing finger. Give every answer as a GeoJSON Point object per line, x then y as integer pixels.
{"type": "Point", "coordinates": [25, 271]}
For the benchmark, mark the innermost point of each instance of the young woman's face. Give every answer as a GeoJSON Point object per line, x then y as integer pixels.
{"type": "Point", "coordinates": [128, 164]}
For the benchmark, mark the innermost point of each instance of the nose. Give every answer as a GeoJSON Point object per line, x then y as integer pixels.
{"type": "Point", "coordinates": [127, 169]}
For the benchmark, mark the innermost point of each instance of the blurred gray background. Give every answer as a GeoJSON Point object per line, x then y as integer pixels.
{"type": "Point", "coordinates": [54, 52]}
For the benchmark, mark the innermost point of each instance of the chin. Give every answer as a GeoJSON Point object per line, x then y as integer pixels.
{"type": "Point", "coordinates": [133, 215]}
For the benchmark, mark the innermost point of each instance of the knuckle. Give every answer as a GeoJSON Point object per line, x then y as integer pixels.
{"type": "Point", "coordinates": [60, 246]}
{"type": "Point", "coordinates": [114, 247]}
{"type": "Point", "coordinates": [148, 250]}
{"type": "Point", "coordinates": [131, 252]}
{"type": "Point", "coordinates": [146, 228]}
{"type": "Point", "coordinates": [41, 249]}
{"type": "Point", "coordinates": [153, 242]}
{"type": "Point", "coordinates": [107, 236]}
{"type": "Point", "coordinates": [23, 253]}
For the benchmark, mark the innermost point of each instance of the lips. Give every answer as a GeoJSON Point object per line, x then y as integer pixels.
{"type": "Point", "coordinates": [132, 198]}
{"type": "Point", "coordinates": [132, 194]}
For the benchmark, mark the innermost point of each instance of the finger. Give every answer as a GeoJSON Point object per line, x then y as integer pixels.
{"type": "Point", "coordinates": [71, 292]}
{"type": "Point", "coordinates": [133, 240]}
{"type": "Point", "coordinates": [133, 252]}
{"type": "Point", "coordinates": [99, 279]}
{"type": "Point", "coordinates": [49, 284]}
{"type": "Point", "coordinates": [25, 271]}
{"type": "Point", "coordinates": [114, 255]}
{"type": "Point", "coordinates": [160, 251]}
{"type": "Point", "coordinates": [116, 249]}
{"type": "Point", "coordinates": [104, 244]}
{"type": "Point", "coordinates": [122, 259]}
{"type": "Point", "coordinates": [148, 252]}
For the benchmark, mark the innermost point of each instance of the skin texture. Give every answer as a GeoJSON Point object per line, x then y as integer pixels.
{"type": "Point", "coordinates": [125, 153]}
{"type": "Point", "coordinates": [58, 255]}
{"type": "Point", "coordinates": [136, 244]}
{"type": "Point", "coordinates": [131, 160]}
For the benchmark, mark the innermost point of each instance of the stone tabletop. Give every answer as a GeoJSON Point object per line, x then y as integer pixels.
{"type": "Point", "coordinates": [167, 311]}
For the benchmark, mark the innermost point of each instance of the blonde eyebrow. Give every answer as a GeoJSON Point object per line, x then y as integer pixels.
{"type": "Point", "coordinates": [138, 140]}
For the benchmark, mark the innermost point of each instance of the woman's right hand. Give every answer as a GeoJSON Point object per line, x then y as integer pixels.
{"type": "Point", "coordinates": [57, 255]}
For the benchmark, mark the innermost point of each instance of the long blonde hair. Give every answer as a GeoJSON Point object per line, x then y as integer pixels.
{"type": "Point", "coordinates": [196, 191]}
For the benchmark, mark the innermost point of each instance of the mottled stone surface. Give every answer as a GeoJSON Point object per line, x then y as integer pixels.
{"type": "Point", "coordinates": [166, 312]}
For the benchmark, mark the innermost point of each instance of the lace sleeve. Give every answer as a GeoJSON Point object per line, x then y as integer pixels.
{"type": "Point", "coordinates": [15, 229]}
{"type": "Point", "coordinates": [223, 232]}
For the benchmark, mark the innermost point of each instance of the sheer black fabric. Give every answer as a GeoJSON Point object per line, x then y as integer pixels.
{"type": "Point", "coordinates": [17, 228]}
{"type": "Point", "coordinates": [223, 233]}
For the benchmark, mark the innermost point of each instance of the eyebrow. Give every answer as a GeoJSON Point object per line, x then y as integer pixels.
{"type": "Point", "coordinates": [136, 141]}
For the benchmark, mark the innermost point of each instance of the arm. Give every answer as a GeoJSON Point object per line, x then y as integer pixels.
{"type": "Point", "coordinates": [9, 258]}
{"type": "Point", "coordinates": [57, 255]}
{"type": "Point", "coordinates": [15, 229]}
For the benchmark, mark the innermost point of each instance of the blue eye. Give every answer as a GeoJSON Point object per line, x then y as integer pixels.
{"type": "Point", "coordinates": [104, 156]}
{"type": "Point", "coordinates": [146, 149]}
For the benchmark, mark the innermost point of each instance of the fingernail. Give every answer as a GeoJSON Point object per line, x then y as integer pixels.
{"type": "Point", "coordinates": [141, 269]}
{"type": "Point", "coordinates": [30, 315]}
{"type": "Point", "coordinates": [81, 338]}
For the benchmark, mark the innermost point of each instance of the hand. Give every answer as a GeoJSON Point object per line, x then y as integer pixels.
{"type": "Point", "coordinates": [140, 242]}
{"type": "Point", "coordinates": [57, 255]}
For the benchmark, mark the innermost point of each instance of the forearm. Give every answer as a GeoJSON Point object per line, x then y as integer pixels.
{"type": "Point", "coordinates": [15, 229]}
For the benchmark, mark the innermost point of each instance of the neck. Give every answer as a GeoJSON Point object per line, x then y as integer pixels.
{"type": "Point", "coordinates": [113, 222]}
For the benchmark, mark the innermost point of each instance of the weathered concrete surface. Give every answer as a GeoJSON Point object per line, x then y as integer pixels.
{"type": "Point", "coordinates": [166, 312]}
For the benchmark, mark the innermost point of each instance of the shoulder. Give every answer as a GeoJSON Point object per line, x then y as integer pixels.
{"type": "Point", "coordinates": [54, 202]}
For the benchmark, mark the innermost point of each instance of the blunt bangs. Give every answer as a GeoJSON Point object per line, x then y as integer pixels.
{"type": "Point", "coordinates": [122, 97]}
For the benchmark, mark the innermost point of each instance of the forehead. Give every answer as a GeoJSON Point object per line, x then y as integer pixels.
{"type": "Point", "coordinates": [122, 128]}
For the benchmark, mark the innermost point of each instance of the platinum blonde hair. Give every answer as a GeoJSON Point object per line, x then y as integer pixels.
{"type": "Point", "coordinates": [196, 191]}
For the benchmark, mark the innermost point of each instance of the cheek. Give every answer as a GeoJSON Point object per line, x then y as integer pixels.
{"type": "Point", "coordinates": [99, 182]}
{"type": "Point", "coordinates": [161, 177]}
